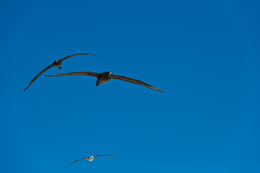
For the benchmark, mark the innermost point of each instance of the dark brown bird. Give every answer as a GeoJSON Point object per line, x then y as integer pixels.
{"type": "Point", "coordinates": [57, 63]}
{"type": "Point", "coordinates": [105, 77]}
{"type": "Point", "coordinates": [90, 158]}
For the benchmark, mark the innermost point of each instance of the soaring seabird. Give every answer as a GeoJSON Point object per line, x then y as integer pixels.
{"type": "Point", "coordinates": [57, 63]}
{"type": "Point", "coordinates": [105, 77]}
{"type": "Point", "coordinates": [90, 158]}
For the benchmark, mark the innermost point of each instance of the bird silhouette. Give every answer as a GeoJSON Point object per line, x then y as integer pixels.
{"type": "Point", "coordinates": [90, 158]}
{"type": "Point", "coordinates": [57, 63]}
{"type": "Point", "coordinates": [105, 77]}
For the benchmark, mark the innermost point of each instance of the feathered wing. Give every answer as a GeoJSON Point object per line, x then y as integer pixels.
{"type": "Point", "coordinates": [75, 74]}
{"type": "Point", "coordinates": [104, 155]}
{"type": "Point", "coordinates": [138, 82]}
{"type": "Point", "coordinates": [77, 161]}
{"type": "Point", "coordinates": [76, 55]}
{"type": "Point", "coordinates": [48, 67]}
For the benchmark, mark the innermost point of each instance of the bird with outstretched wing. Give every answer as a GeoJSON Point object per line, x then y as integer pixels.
{"type": "Point", "coordinates": [90, 158]}
{"type": "Point", "coordinates": [105, 77]}
{"type": "Point", "coordinates": [57, 63]}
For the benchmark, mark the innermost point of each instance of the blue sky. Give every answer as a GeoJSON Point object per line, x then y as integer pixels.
{"type": "Point", "coordinates": [204, 54]}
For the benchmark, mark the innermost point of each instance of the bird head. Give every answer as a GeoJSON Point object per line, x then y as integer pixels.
{"type": "Point", "coordinates": [57, 61]}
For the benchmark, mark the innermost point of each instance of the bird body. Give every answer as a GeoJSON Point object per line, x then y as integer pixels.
{"type": "Point", "coordinates": [105, 77]}
{"type": "Point", "coordinates": [91, 158]}
{"type": "Point", "coordinates": [57, 63]}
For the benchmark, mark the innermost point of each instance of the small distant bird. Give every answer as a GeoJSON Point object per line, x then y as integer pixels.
{"type": "Point", "coordinates": [90, 158]}
{"type": "Point", "coordinates": [105, 77]}
{"type": "Point", "coordinates": [57, 63]}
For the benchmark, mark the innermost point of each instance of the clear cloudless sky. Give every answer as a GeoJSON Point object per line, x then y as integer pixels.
{"type": "Point", "coordinates": [203, 53]}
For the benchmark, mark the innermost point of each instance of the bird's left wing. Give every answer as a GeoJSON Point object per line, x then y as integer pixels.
{"type": "Point", "coordinates": [76, 55]}
{"type": "Point", "coordinates": [75, 74]}
{"type": "Point", "coordinates": [77, 161]}
{"type": "Point", "coordinates": [35, 77]}
{"type": "Point", "coordinates": [138, 82]}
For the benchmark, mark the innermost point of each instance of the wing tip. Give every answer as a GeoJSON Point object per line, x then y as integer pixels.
{"type": "Point", "coordinates": [26, 88]}
{"type": "Point", "coordinates": [161, 91]}
{"type": "Point", "coordinates": [68, 165]}
{"type": "Point", "coordinates": [115, 156]}
{"type": "Point", "coordinates": [156, 89]}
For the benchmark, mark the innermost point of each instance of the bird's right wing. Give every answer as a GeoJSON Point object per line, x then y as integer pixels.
{"type": "Point", "coordinates": [77, 161]}
{"type": "Point", "coordinates": [48, 67]}
{"type": "Point", "coordinates": [75, 74]}
{"type": "Point", "coordinates": [76, 55]}
{"type": "Point", "coordinates": [138, 82]}
{"type": "Point", "coordinates": [104, 155]}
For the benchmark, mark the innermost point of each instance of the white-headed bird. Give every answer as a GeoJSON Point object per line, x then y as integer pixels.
{"type": "Point", "coordinates": [90, 158]}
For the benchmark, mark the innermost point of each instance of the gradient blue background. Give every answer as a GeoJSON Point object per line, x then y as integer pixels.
{"type": "Point", "coordinates": [203, 53]}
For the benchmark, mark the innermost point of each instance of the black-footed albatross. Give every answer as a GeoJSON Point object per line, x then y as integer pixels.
{"type": "Point", "coordinates": [105, 77]}
{"type": "Point", "coordinates": [57, 63]}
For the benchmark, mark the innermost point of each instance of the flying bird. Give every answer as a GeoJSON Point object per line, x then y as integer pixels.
{"type": "Point", "coordinates": [90, 158]}
{"type": "Point", "coordinates": [105, 77]}
{"type": "Point", "coordinates": [57, 63]}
